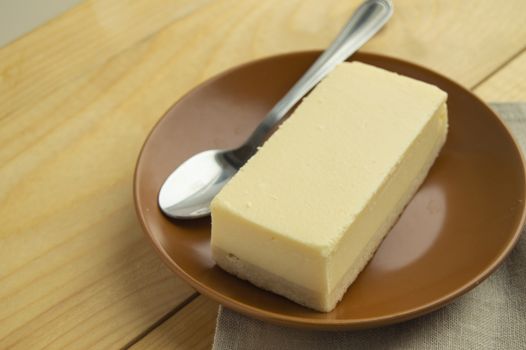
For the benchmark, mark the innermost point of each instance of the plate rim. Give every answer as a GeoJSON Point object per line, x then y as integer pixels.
{"type": "Point", "coordinates": [328, 324]}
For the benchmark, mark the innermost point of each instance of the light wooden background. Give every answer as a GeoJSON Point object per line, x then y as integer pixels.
{"type": "Point", "coordinates": [77, 99]}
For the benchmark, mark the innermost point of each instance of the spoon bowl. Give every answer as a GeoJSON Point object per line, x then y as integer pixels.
{"type": "Point", "coordinates": [188, 191]}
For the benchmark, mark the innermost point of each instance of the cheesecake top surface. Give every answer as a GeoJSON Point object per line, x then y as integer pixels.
{"type": "Point", "coordinates": [318, 171]}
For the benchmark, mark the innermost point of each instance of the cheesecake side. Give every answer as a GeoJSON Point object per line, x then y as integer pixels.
{"type": "Point", "coordinates": [389, 202]}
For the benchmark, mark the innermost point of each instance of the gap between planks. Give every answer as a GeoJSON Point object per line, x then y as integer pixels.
{"type": "Point", "coordinates": [498, 68]}
{"type": "Point", "coordinates": [160, 321]}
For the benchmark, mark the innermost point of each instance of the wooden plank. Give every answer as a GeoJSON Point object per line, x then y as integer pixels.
{"type": "Point", "coordinates": [460, 38]}
{"type": "Point", "coordinates": [75, 269]}
{"type": "Point", "coordinates": [464, 40]}
{"type": "Point", "coordinates": [84, 37]}
{"type": "Point", "coordinates": [508, 84]}
{"type": "Point", "coordinates": [191, 328]}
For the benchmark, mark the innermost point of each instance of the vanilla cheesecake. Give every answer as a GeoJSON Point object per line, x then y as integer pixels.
{"type": "Point", "coordinates": [306, 213]}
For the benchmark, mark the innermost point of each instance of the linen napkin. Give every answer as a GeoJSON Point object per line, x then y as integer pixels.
{"type": "Point", "coordinates": [491, 316]}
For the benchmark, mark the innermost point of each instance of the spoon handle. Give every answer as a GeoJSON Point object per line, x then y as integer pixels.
{"type": "Point", "coordinates": [364, 23]}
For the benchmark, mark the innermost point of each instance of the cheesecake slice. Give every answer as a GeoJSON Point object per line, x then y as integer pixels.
{"type": "Point", "coordinates": [306, 213]}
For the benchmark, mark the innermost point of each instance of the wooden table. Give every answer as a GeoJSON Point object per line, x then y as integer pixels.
{"type": "Point", "coordinates": [77, 99]}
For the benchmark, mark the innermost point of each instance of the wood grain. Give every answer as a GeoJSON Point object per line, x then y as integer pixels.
{"type": "Point", "coordinates": [81, 39]}
{"type": "Point", "coordinates": [79, 96]}
{"type": "Point", "coordinates": [72, 251]}
{"type": "Point", "coordinates": [191, 328]}
{"type": "Point", "coordinates": [426, 32]}
{"type": "Point", "coordinates": [508, 84]}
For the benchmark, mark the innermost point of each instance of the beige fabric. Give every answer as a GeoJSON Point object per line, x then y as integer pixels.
{"type": "Point", "coordinates": [492, 316]}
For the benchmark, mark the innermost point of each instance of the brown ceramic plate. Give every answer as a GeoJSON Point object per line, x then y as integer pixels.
{"type": "Point", "coordinates": [458, 228]}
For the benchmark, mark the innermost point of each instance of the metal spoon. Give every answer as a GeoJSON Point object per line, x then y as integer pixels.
{"type": "Point", "coordinates": [188, 191]}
